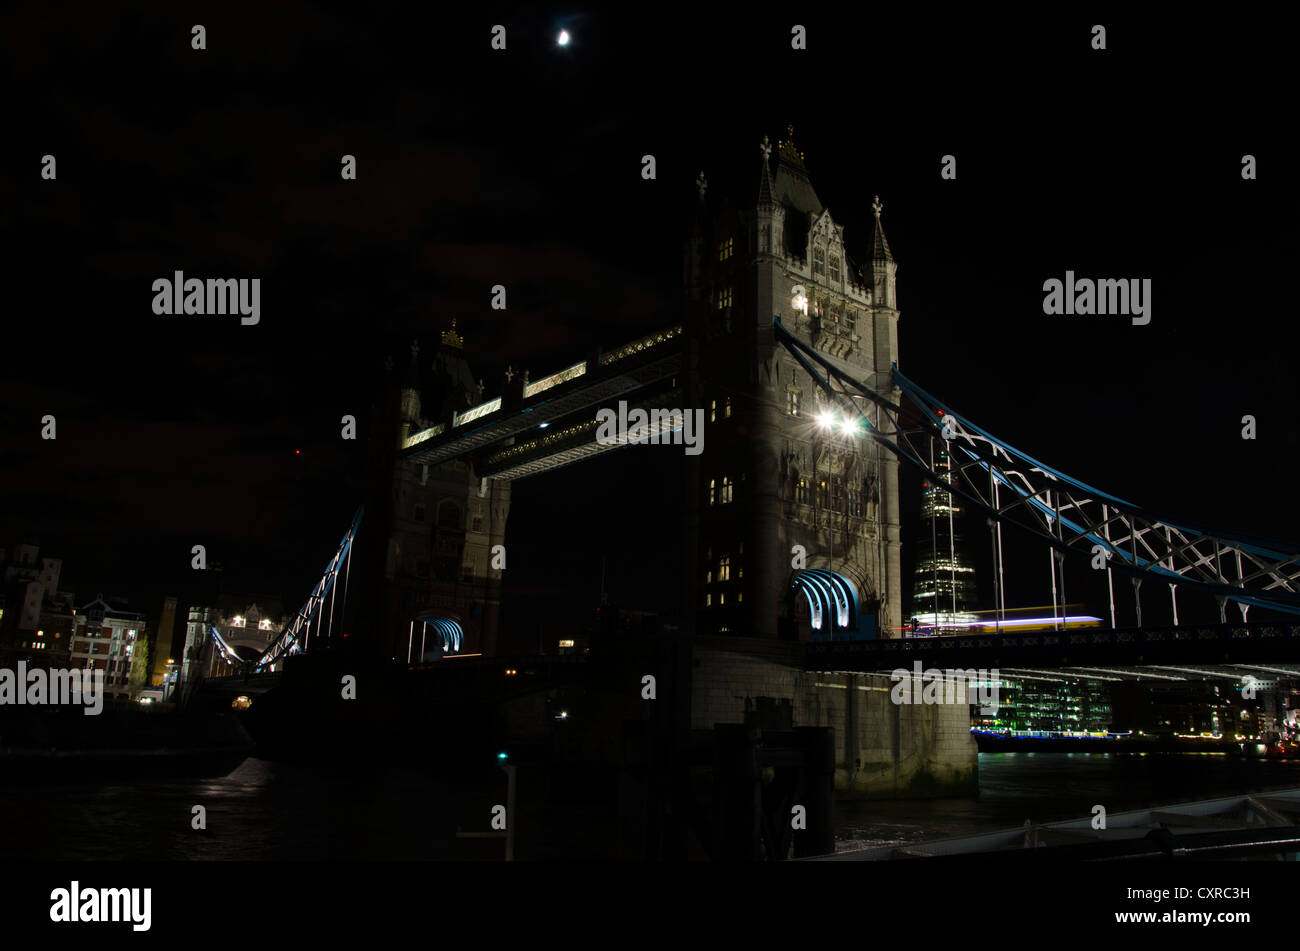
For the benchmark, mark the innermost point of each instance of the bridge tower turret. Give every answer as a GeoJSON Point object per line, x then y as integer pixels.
{"type": "Point", "coordinates": [884, 328]}
{"type": "Point", "coordinates": [409, 408]}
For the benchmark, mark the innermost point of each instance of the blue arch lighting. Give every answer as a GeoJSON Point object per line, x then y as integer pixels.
{"type": "Point", "coordinates": [449, 630]}
{"type": "Point", "coordinates": [832, 599]}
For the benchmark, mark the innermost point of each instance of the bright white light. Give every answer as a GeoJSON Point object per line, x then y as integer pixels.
{"type": "Point", "coordinates": [563, 39]}
{"type": "Point", "coordinates": [849, 427]}
{"type": "Point", "coordinates": [825, 420]}
{"type": "Point", "coordinates": [543, 425]}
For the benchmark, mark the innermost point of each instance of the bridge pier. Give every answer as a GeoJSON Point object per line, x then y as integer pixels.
{"type": "Point", "coordinates": [881, 749]}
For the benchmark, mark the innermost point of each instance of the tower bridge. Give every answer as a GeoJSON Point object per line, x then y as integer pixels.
{"type": "Point", "coordinates": [791, 580]}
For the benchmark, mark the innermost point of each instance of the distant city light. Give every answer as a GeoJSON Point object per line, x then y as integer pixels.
{"type": "Point", "coordinates": [563, 38]}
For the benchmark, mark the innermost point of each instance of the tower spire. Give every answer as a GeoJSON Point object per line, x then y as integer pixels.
{"type": "Point", "coordinates": [765, 176]}
{"type": "Point", "coordinates": [452, 339]}
{"type": "Point", "coordinates": [879, 243]}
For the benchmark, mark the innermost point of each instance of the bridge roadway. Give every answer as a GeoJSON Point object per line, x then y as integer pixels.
{"type": "Point", "coordinates": [1265, 650]}
{"type": "Point", "coordinates": [502, 676]}
{"type": "Point", "coordinates": [1229, 651]}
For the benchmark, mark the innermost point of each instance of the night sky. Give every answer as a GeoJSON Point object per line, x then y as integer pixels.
{"type": "Point", "coordinates": [522, 168]}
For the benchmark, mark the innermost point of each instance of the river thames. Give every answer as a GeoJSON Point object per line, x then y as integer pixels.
{"type": "Point", "coordinates": [278, 811]}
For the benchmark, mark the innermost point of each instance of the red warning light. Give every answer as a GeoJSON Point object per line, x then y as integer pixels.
{"type": "Point", "coordinates": [297, 452]}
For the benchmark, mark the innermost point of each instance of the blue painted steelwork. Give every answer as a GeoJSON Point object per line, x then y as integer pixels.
{"type": "Point", "coordinates": [293, 638]}
{"type": "Point", "coordinates": [1066, 514]}
{"type": "Point", "coordinates": [227, 652]}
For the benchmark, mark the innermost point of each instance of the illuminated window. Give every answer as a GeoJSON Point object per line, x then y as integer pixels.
{"type": "Point", "coordinates": [740, 596]}
{"type": "Point", "coordinates": [792, 401]}
{"type": "Point", "coordinates": [713, 411]}
{"type": "Point", "coordinates": [724, 298]}
{"type": "Point", "coordinates": [801, 492]}
{"type": "Point", "coordinates": [722, 597]}
{"type": "Point", "coordinates": [724, 493]}
{"type": "Point", "coordinates": [819, 261]}
{"type": "Point", "coordinates": [566, 643]}
{"type": "Point", "coordinates": [237, 621]}
{"type": "Point", "coordinates": [712, 490]}
{"type": "Point", "coordinates": [708, 576]}
{"type": "Point", "coordinates": [726, 408]}
{"type": "Point", "coordinates": [708, 599]}
{"type": "Point", "coordinates": [724, 568]}
{"type": "Point", "coordinates": [264, 624]}
{"type": "Point", "coordinates": [726, 249]}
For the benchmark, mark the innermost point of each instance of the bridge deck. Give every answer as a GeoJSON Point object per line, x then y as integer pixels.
{"type": "Point", "coordinates": [1225, 645]}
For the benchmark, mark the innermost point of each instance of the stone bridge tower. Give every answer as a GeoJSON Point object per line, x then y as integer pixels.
{"type": "Point", "coordinates": [779, 469]}
{"type": "Point", "coordinates": [442, 593]}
